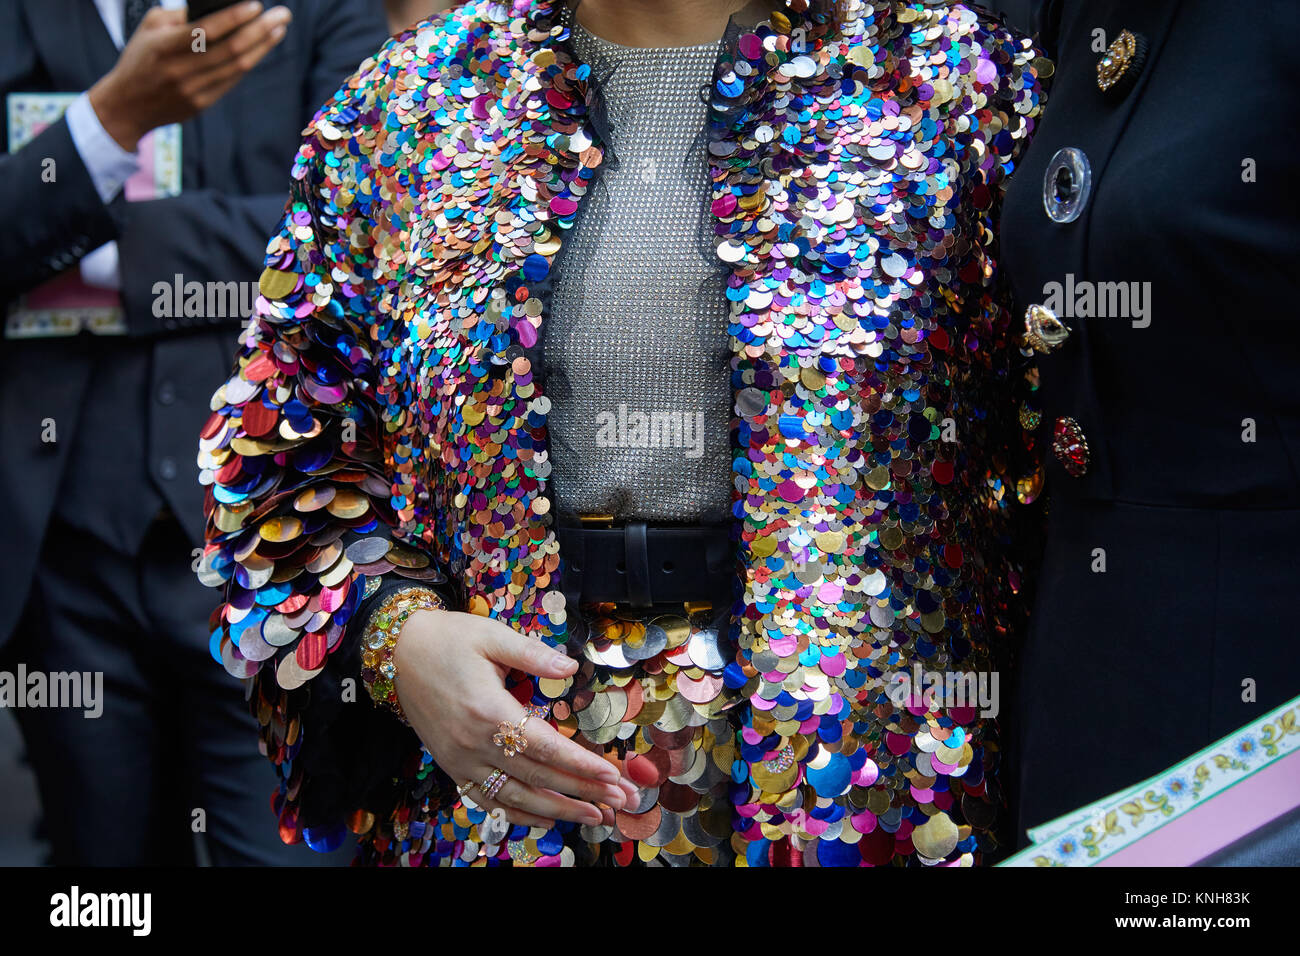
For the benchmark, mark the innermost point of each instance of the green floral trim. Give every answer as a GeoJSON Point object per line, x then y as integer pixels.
{"type": "Point", "coordinates": [1090, 835]}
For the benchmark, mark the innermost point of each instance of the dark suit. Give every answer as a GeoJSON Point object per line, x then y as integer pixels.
{"type": "Point", "coordinates": [1128, 670]}
{"type": "Point", "coordinates": [117, 486]}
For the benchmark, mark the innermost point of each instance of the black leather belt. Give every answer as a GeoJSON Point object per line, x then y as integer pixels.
{"type": "Point", "coordinates": [644, 565]}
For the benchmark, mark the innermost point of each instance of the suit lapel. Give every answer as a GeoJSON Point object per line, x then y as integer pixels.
{"type": "Point", "coordinates": [71, 42]}
{"type": "Point", "coordinates": [81, 19]}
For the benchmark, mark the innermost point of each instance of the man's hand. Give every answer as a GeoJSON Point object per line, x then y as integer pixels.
{"type": "Point", "coordinates": [159, 77]}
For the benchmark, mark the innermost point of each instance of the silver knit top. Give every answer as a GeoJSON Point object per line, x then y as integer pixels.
{"type": "Point", "coordinates": [636, 345]}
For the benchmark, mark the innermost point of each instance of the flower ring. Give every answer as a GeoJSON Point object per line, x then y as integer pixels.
{"type": "Point", "coordinates": [510, 737]}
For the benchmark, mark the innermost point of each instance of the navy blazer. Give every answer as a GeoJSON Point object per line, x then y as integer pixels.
{"type": "Point", "coordinates": [236, 155]}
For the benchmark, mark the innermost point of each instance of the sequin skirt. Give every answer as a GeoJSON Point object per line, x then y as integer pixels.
{"type": "Point", "coordinates": [650, 690]}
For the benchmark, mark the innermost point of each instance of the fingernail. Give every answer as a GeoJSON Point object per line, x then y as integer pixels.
{"type": "Point", "coordinates": [563, 660]}
{"type": "Point", "coordinates": [628, 787]}
{"type": "Point", "coordinates": [608, 774]}
{"type": "Point", "coordinates": [616, 798]}
{"type": "Point", "coordinates": [593, 818]}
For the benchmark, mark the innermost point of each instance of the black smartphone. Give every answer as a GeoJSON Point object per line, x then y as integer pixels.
{"type": "Point", "coordinates": [198, 9]}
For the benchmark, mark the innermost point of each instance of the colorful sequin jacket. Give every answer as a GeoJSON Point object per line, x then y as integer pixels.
{"type": "Point", "coordinates": [385, 390]}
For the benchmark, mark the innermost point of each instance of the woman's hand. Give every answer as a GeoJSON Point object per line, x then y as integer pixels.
{"type": "Point", "coordinates": [451, 671]}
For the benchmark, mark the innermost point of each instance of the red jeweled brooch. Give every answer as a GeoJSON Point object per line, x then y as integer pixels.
{"type": "Point", "coordinates": [1070, 446]}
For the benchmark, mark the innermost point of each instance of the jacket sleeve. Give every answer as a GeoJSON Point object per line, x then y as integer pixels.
{"type": "Point", "coordinates": [1014, 95]}
{"type": "Point", "coordinates": [304, 514]}
{"type": "Point", "coordinates": [1012, 426]}
{"type": "Point", "coordinates": [53, 215]}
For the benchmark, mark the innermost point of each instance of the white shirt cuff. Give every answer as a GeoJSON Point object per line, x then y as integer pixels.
{"type": "Point", "coordinates": [100, 268]}
{"type": "Point", "coordinates": [109, 165]}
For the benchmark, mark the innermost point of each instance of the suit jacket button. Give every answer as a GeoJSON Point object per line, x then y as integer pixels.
{"type": "Point", "coordinates": [1070, 446]}
{"type": "Point", "coordinates": [1044, 332]}
{"type": "Point", "coordinates": [1067, 185]}
{"type": "Point", "coordinates": [167, 468]}
{"type": "Point", "coordinates": [1118, 69]}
